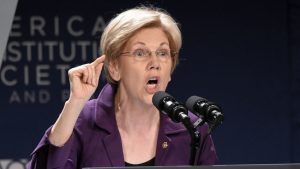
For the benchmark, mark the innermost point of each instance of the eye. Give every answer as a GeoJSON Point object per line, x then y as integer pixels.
{"type": "Point", "coordinates": [163, 53]}
{"type": "Point", "coordinates": [139, 53]}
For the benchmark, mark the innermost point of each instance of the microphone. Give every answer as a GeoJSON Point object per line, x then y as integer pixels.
{"type": "Point", "coordinates": [168, 105]}
{"type": "Point", "coordinates": [211, 113]}
{"type": "Point", "coordinates": [178, 113]}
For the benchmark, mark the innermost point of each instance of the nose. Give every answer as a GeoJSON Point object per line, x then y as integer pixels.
{"type": "Point", "coordinates": [154, 62]}
{"type": "Point", "coordinates": [154, 67]}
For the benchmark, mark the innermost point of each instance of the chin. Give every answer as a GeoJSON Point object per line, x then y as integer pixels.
{"type": "Point", "coordinates": [148, 100]}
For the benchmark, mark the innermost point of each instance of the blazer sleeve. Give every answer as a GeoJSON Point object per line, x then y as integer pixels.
{"type": "Point", "coordinates": [48, 156]}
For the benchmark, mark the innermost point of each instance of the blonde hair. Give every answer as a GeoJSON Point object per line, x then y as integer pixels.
{"type": "Point", "coordinates": [121, 28]}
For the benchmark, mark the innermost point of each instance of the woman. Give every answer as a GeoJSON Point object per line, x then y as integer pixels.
{"type": "Point", "coordinates": [122, 126]}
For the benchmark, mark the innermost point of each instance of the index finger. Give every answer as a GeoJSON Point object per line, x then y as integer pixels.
{"type": "Point", "coordinates": [98, 60]}
{"type": "Point", "coordinates": [98, 64]}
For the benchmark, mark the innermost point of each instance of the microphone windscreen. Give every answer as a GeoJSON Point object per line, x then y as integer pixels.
{"type": "Point", "coordinates": [191, 101]}
{"type": "Point", "coordinates": [158, 97]}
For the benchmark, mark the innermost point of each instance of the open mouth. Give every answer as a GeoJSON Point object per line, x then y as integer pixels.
{"type": "Point", "coordinates": [152, 81]}
{"type": "Point", "coordinates": [152, 85]}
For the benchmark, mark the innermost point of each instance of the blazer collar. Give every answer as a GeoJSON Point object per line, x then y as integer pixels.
{"type": "Point", "coordinates": [106, 120]}
{"type": "Point", "coordinates": [104, 109]}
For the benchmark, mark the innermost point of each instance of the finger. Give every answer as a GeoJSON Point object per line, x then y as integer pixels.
{"type": "Point", "coordinates": [85, 73]}
{"type": "Point", "coordinates": [94, 76]}
{"type": "Point", "coordinates": [99, 65]}
{"type": "Point", "coordinates": [99, 60]}
{"type": "Point", "coordinates": [90, 74]}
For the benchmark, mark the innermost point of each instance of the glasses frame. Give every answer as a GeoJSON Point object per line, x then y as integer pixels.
{"type": "Point", "coordinates": [172, 53]}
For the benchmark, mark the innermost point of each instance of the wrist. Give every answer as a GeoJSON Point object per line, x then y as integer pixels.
{"type": "Point", "coordinates": [77, 102]}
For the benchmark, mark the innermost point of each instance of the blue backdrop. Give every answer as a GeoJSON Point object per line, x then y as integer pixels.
{"type": "Point", "coordinates": [243, 55]}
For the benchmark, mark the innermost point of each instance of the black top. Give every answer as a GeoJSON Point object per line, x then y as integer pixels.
{"type": "Point", "coordinates": [147, 163]}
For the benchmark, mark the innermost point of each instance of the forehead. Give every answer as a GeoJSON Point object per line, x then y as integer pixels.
{"type": "Point", "coordinates": [150, 37]}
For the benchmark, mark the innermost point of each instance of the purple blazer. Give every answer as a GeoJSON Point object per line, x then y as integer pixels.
{"type": "Point", "coordinates": [96, 141]}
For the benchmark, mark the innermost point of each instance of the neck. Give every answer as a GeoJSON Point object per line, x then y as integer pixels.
{"type": "Point", "coordinates": [136, 117]}
{"type": "Point", "coordinates": [132, 119]}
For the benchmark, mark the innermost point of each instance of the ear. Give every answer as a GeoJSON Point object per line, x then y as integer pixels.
{"type": "Point", "coordinates": [113, 69]}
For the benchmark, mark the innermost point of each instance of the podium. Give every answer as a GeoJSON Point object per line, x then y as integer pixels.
{"type": "Point", "coordinates": [235, 166]}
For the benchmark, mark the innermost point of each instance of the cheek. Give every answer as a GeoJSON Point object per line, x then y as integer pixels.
{"type": "Point", "coordinates": [167, 75]}
{"type": "Point", "coordinates": [131, 72]}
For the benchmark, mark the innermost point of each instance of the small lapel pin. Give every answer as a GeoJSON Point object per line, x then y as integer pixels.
{"type": "Point", "coordinates": [165, 145]}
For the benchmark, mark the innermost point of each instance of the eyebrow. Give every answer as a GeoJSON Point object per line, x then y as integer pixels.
{"type": "Point", "coordinates": [142, 43]}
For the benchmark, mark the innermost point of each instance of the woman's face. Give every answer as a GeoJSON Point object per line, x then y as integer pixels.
{"type": "Point", "coordinates": [145, 65]}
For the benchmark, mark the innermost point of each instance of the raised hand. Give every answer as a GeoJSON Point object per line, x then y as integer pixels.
{"type": "Point", "coordinates": [84, 79]}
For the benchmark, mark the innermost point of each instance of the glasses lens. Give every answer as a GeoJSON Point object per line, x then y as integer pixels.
{"type": "Point", "coordinates": [142, 54]}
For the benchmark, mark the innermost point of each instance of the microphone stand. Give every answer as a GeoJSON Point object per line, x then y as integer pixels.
{"type": "Point", "coordinates": [195, 138]}
{"type": "Point", "coordinates": [196, 134]}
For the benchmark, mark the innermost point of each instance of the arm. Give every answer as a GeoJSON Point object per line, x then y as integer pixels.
{"type": "Point", "coordinates": [83, 83]}
{"type": "Point", "coordinates": [60, 140]}
{"type": "Point", "coordinates": [47, 155]}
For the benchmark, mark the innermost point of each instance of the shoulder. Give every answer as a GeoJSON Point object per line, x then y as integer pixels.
{"type": "Point", "coordinates": [84, 126]}
{"type": "Point", "coordinates": [98, 107]}
{"type": "Point", "coordinates": [87, 113]}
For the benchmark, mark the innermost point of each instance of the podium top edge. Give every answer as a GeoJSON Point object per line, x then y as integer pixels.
{"type": "Point", "coordinates": [231, 166]}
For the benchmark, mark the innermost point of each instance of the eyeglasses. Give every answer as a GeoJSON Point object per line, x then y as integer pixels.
{"type": "Point", "coordinates": [145, 54]}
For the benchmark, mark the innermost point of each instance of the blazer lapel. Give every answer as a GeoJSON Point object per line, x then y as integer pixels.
{"type": "Point", "coordinates": [162, 148]}
{"type": "Point", "coordinates": [164, 141]}
{"type": "Point", "coordinates": [113, 146]}
{"type": "Point", "coordinates": [105, 119]}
